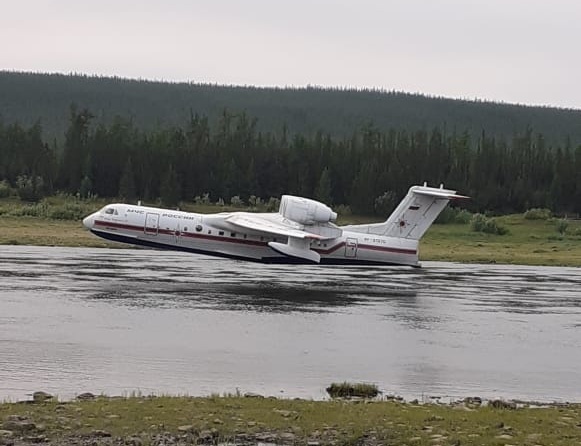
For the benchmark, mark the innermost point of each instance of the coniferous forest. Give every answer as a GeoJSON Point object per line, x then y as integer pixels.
{"type": "Point", "coordinates": [366, 161]}
{"type": "Point", "coordinates": [368, 170]}
{"type": "Point", "coordinates": [29, 97]}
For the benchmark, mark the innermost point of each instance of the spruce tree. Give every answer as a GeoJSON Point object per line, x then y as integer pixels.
{"type": "Point", "coordinates": [169, 188]}
{"type": "Point", "coordinates": [127, 183]}
{"type": "Point", "coordinates": [323, 190]}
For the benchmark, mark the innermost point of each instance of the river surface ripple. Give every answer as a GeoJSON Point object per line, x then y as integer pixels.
{"type": "Point", "coordinates": [122, 321]}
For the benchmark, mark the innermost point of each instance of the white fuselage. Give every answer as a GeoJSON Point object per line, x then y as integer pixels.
{"type": "Point", "coordinates": [211, 234]}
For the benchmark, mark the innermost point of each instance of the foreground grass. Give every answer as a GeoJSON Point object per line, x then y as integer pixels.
{"type": "Point", "coordinates": [189, 420]}
{"type": "Point", "coordinates": [529, 242]}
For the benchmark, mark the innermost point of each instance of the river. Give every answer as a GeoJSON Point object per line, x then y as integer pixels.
{"type": "Point", "coordinates": [141, 321]}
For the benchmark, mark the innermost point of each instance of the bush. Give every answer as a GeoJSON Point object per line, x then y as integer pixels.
{"type": "Point", "coordinates": [29, 210]}
{"type": "Point", "coordinates": [562, 225]}
{"type": "Point", "coordinates": [5, 189]}
{"type": "Point", "coordinates": [538, 214]}
{"type": "Point", "coordinates": [236, 201]}
{"type": "Point", "coordinates": [254, 201]}
{"type": "Point", "coordinates": [87, 186]}
{"type": "Point", "coordinates": [463, 217]}
{"type": "Point", "coordinates": [348, 390]}
{"type": "Point", "coordinates": [69, 211]}
{"type": "Point", "coordinates": [481, 223]}
{"type": "Point", "coordinates": [202, 199]}
{"type": "Point", "coordinates": [343, 210]}
{"type": "Point", "coordinates": [453, 215]}
{"type": "Point", "coordinates": [273, 204]}
{"type": "Point", "coordinates": [30, 188]}
{"type": "Point", "coordinates": [445, 217]}
{"type": "Point", "coordinates": [385, 203]}
{"type": "Point", "coordinates": [478, 222]}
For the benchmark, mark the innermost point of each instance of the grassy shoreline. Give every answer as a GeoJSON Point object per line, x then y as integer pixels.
{"type": "Point", "coordinates": [528, 242]}
{"type": "Point", "coordinates": [240, 420]}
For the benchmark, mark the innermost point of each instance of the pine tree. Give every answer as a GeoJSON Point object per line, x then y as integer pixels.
{"type": "Point", "coordinates": [323, 190]}
{"type": "Point", "coordinates": [75, 150]}
{"type": "Point", "coordinates": [86, 187]}
{"type": "Point", "coordinates": [169, 188]}
{"type": "Point", "coordinates": [127, 183]}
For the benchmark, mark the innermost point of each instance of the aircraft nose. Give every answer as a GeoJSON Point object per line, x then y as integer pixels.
{"type": "Point", "coordinates": [89, 221]}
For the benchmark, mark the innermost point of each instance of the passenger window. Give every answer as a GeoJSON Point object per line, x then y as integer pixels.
{"type": "Point", "coordinates": [232, 234]}
{"type": "Point", "coordinates": [221, 233]}
{"type": "Point", "coordinates": [199, 228]}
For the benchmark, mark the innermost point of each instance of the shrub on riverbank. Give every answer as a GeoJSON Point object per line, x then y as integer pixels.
{"type": "Point", "coordinates": [349, 390]}
{"type": "Point", "coordinates": [453, 215]}
{"type": "Point", "coordinates": [60, 207]}
{"type": "Point", "coordinates": [5, 189]}
{"type": "Point", "coordinates": [562, 225]}
{"type": "Point", "coordinates": [481, 223]}
{"type": "Point", "coordinates": [538, 214]}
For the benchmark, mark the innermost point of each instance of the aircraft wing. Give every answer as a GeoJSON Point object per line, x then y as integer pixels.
{"type": "Point", "coordinates": [257, 223]}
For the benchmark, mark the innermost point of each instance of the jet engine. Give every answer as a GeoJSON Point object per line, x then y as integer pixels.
{"type": "Point", "coordinates": [305, 211]}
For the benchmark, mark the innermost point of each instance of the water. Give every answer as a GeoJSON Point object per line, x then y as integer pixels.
{"type": "Point", "coordinates": [122, 321]}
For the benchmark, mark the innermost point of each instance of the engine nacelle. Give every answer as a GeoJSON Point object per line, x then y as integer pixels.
{"type": "Point", "coordinates": [305, 211]}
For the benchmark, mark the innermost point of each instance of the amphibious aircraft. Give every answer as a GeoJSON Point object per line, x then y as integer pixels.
{"type": "Point", "coordinates": [302, 231]}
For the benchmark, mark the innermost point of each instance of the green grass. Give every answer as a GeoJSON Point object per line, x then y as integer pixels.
{"type": "Point", "coordinates": [45, 232]}
{"type": "Point", "coordinates": [328, 422]}
{"type": "Point", "coordinates": [531, 242]}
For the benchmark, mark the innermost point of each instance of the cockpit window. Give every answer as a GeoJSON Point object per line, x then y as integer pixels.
{"type": "Point", "coordinates": [111, 211]}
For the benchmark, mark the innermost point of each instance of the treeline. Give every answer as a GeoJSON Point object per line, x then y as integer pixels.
{"type": "Point", "coordinates": [369, 170]}
{"type": "Point", "coordinates": [151, 106]}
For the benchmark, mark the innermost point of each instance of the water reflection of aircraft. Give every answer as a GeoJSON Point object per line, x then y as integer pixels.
{"type": "Point", "coordinates": [301, 232]}
{"type": "Point", "coordinates": [261, 294]}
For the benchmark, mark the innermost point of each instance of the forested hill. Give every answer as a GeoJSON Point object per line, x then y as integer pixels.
{"type": "Point", "coordinates": [29, 97]}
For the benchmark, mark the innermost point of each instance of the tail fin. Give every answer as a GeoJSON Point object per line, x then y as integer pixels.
{"type": "Point", "coordinates": [414, 215]}
{"type": "Point", "coordinates": [417, 211]}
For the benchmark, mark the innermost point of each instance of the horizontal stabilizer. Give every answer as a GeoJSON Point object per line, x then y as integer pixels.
{"type": "Point", "coordinates": [440, 193]}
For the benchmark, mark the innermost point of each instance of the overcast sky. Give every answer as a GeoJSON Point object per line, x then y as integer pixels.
{"type": "Point", "coordinates": [523, 51]}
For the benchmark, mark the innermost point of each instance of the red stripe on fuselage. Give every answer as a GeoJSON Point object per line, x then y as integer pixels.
{"type": "Point", "coordinates": [332, 249]}
{"type": "Point", "coordinates": [387, 249]}
{"type": "Point", "coordinates": [141, 229]}
{"type": "Point", "coordinates": [368, 247]}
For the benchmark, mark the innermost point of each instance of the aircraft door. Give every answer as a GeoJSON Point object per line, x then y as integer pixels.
{"type": "Point", "coordinates": [351, 247]}
{"type": "Point", "coordinates": [151, 223]}
{"type": "Point", "coordinates": [177, 233]}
